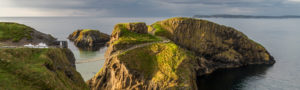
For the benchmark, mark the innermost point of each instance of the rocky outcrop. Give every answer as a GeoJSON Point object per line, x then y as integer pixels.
{"type": "Point", "coordinates": [138, 27]}
{"type": "Point", "coordinates": [39, 69]}
{"type": "Point", "coordinates": [89, 39]}
{"type": "Point", "coordinates": [18, 35]}
{"type": "Point", "coordinates": [216, 42]}
{"type": "Point", "coordinates": [198, 47]}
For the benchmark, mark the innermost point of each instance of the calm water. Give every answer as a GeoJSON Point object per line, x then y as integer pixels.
{"type": "Point", "coordinates": [280, 36]}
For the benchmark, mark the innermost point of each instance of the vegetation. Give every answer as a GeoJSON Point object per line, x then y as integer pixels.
{"type": "Point", "coordinates": [38, 69]}
{"type": "Point", "coordinates": [128, 37]}
{"type": "Point", "coordinates": [162, 61]}
{"type": "Point", "coordinates": [82, 34]}
{"type": "Point", "coordinates": [160, 31]}
{"type": "Point", "coordinates": [211, 40]}
{"type": "Point", "coordinates": [14, 31]}
{"type": "Point", "coordinates": [87, 33]}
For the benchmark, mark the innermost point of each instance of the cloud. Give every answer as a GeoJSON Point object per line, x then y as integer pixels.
{"type": "Point", "coordinates": [148, 8]}
{"type": "Point", "coordinates": [294, 0]}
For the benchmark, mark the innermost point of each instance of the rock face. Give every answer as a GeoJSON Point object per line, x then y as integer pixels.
{"type": "Point", "coordinates": [39, 69]}
{"type": "Point", "coordinates": [88, 39]}
{"type": "Point", "coordinates": [18, 35]}
{"type": "Point", "coordinates": [216, 42]}
{"type": "Point", "coordinates": [197, 47]}
{"type": "Point", "coordinates": [137, 27]}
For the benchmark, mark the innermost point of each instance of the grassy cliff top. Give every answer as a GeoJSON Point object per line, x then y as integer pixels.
{"type": "Point", "coordinates": [128, 37]}
{"type": "Point", "coordinates": [38, 69]}
{"type": "Point", "coordinates": [79, 35]}
{"type": "Point", "coordinates": [14, 31]}
{"type": "Point", "coordinates": [210, 39]}
{"type": "Point", "coordinates": [88, 30]}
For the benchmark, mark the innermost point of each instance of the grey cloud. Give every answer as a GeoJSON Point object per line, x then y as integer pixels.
{"type": "Point", "coordinates": [131, 8]}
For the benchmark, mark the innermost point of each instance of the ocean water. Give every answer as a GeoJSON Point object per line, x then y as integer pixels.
{"type": "Point", "coordinates": [281, 37]}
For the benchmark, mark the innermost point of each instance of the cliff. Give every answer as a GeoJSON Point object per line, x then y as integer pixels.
{"type": "Point", "coordinates": [39, 69]}
{"type": "Point", "coordinates": [212, 41]}
{"type": "Point", "coordinates": [181, 50]}
{"type": "Point", "coordinates": [88, 39]}
{"type": "Point", "coordinates": [18, 35]}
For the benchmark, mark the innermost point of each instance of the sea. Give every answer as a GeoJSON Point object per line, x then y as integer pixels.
{"type": "Point", "coordinates": [281, 37]}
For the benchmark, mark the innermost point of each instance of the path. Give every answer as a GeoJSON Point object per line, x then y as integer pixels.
{"type": "Point", "coordinates": [164, 40]}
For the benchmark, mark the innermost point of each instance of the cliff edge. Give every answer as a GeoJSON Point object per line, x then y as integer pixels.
{"type": "Point", "coordinates": [16, 34]}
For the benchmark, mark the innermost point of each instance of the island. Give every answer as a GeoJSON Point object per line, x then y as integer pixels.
{"type": "Point", "coordinates": [88, 39]}
{"type": "Point", "coordinates": [173, 53]}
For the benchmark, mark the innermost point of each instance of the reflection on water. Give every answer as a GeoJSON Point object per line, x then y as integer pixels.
{"type": "Point", "coordinates": [231, 79]}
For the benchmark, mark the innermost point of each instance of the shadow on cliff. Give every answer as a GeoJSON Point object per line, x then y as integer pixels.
{"type": "Point", "coordinates": [230, 79]}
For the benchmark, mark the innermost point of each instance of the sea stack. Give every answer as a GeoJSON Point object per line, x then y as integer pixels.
{"type": "Point", "coordinates": [88, 39]}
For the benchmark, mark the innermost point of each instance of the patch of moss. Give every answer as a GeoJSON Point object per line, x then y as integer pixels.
{"type": "Point", "coordinates": [38, 69]}
{"type": "Point", "coordinates": [128, 37]}
{"type": "Point", "coordinates": [14, 31]}
{"type": "Point", "coordinates": [160, 62]}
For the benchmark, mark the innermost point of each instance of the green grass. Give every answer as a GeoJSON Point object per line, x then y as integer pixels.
{"type": "Point", "coordinates": [160, 31]}
{"type": "Point", "coordinates": [37, 69]}
{"type": "Point", "coordinates": [128, 37]}
{"type": "Point", "coordinates": [84, 32]}
{"type": "Point", "coordinates": [160, 62]}
{"type": "Point", "coordinates": [14, 31]}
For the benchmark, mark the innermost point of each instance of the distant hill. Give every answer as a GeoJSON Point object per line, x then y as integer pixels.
{"type": "Point", "coordinates": [243, 16]}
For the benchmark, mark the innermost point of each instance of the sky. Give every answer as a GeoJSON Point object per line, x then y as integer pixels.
{"type": "Point", "coordinates": [146, 8]}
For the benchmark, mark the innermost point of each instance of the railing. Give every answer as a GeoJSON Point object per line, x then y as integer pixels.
{"type": "Point", "coordinates": [58, 44]}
